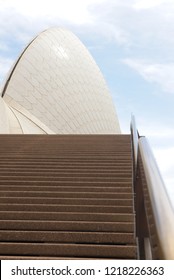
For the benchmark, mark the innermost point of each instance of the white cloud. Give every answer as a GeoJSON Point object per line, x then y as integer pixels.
{"type": "Point", "coordinates": [75, 11]}
{"type": "Point", "coordinates": [115, 20]}
{"type": "Point", "coordinates": [159, 73]}
{"type": "Point", "coordinates": [109, 33]}
{"type": "Point", "coordinates": [21, 20]}
{"type": "Point", "coordinates": [148, 4]}
{"type": "Point", "coordinates": [121, 19]}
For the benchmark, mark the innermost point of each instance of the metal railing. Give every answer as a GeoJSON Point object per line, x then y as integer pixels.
{"type": "Point", "coordinates": [134, 134]}
{"type": "Point", "coordinates": [162, 209]}
{"type": "Point", "coordinates": [161, 206]}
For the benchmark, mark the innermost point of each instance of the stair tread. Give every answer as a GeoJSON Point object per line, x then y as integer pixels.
{"type": "Point", "coordinates": [66, 197]}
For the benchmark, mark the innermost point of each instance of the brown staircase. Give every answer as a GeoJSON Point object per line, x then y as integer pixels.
{"type": "Point", "coordinates": [66, 197]}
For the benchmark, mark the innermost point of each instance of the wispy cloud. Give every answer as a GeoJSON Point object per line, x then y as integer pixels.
{"type": "Point", "coordinates": [149, 4]}
{"type": "Point", "coordinates": [127, 23]}
{"type": "Point", "coordinates": [75, 11]}
{"type": "Point", "coordinates": [27, 18]}
{"type": "Point", "coordinates": [159, 73]}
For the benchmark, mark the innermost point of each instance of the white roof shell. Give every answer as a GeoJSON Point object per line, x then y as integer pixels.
{"type": "Point", "coordinates": [57, 82]}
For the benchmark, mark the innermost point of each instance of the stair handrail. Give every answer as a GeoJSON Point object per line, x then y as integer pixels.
{"type": "Point", "coordinates": [162, 208]}
{"type": "Point", "coordinates": [134, 134]}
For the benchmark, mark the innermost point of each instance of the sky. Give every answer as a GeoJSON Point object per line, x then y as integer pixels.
{"type": "Point", "coordinates": [132, 42]}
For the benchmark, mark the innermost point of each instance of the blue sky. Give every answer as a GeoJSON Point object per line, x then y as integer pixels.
{"type": "Point", "coordinates": [132, 41]}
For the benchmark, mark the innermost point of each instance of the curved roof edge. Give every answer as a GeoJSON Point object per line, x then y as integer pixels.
{"type": "Point", "coordinates": [10, 73]}
{"type": "Point", "coordinates": [12, 69]}
{"type": "Point", "coordinates": [62, 87]}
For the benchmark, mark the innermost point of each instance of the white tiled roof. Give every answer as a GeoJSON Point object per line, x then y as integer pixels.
{"type": "Point", "coordinates": [57, 81]}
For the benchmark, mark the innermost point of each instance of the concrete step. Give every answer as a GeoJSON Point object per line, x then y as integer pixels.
{"type": "Point", "coordinates": [90, 226]}
{"type": "Point", "coordinates": [66, 208]}
{"type": "Point", "coordinates": [66, 216]}
{"type": "Point", "coordinates": [65, 201]}
{"type": "Point", "coordinates": [67, 237]}
{"type": "Point", "coordinates": [69, 250]}
{"type": "Point", "coordinates": [66, 197]}
{"type": "Point", "coordinates": [49, 194]}
{"type": "Point", "coordinates": [94, 188]}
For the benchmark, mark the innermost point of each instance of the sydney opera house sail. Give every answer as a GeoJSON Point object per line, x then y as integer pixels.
{"type": "Point", "coordinates": [55, 87]}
